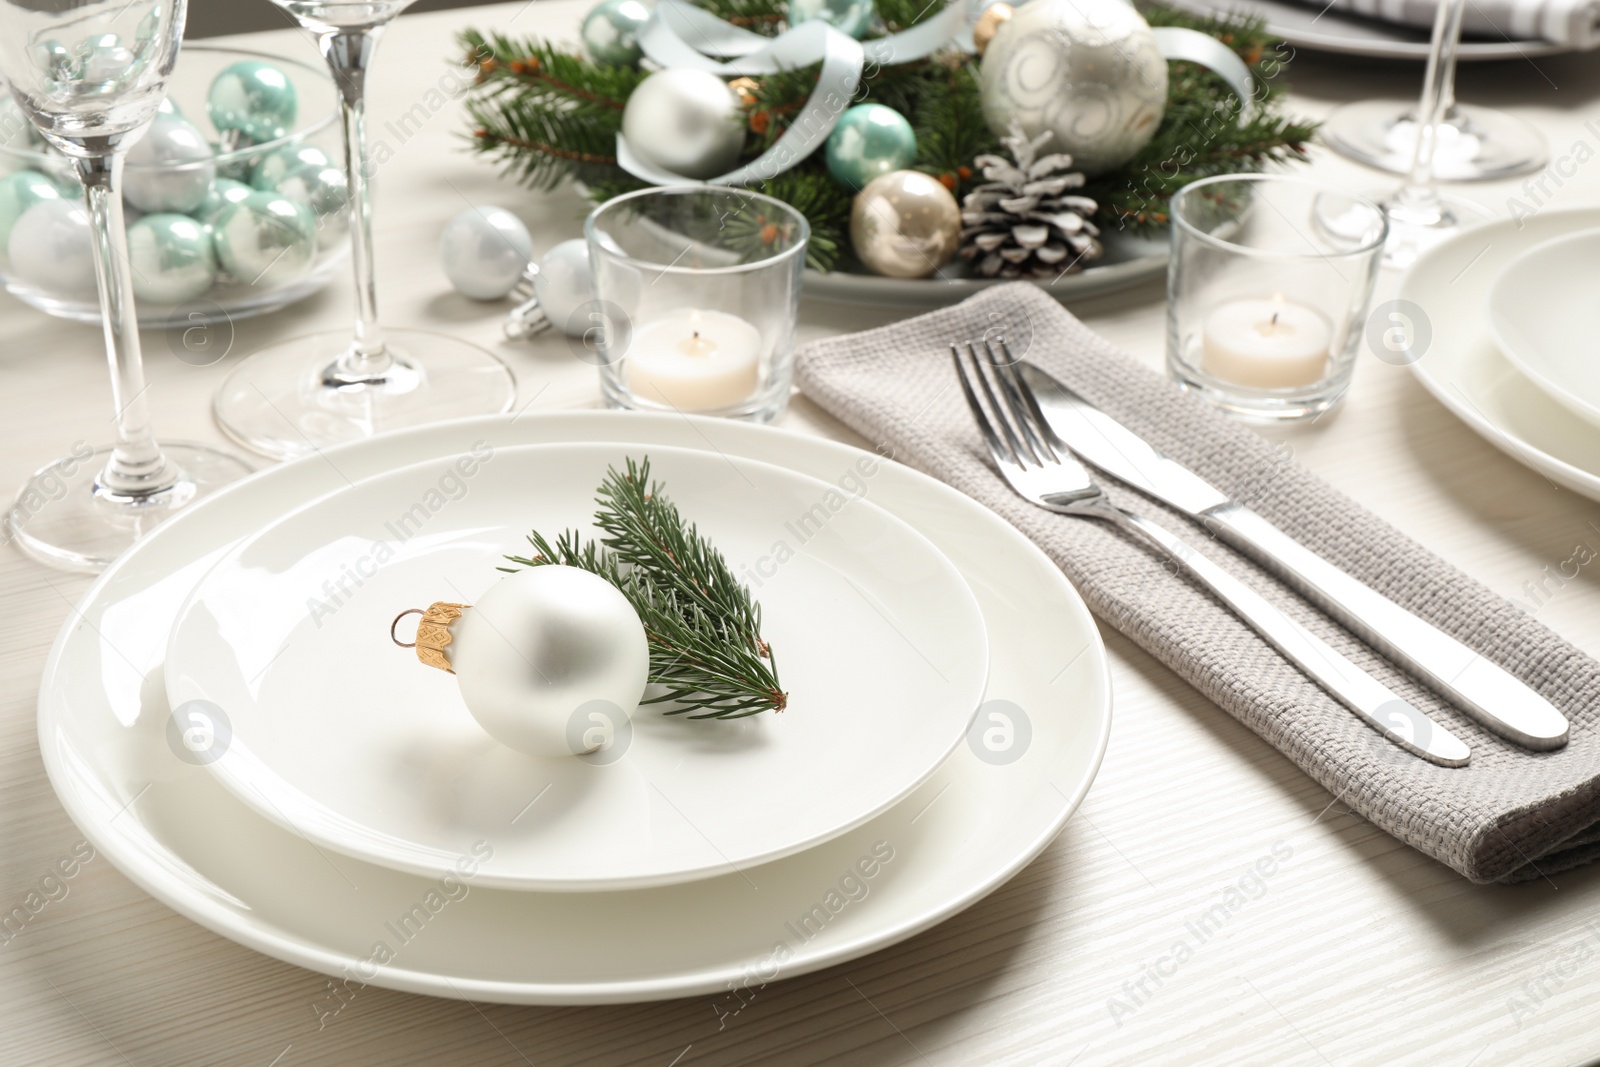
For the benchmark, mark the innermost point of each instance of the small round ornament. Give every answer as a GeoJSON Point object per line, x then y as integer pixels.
{"type": "Point", "coordinates": [55, 59]}
{"type": "Point", "coordinates": [170, 168]}
{"type": "Point", "coordinates": [905, 225]}
{"type": "Point", "coordinates": [275, 166]}
{"type": "Point", "coordinates": [536, 648]}
{"type": "Point", "coordinates": [101, 63]}
{"type": "Point", "coordinates": [19, 192]}
{"type": "Point", "coordinates": [172, 259]}
{"type": "Point", "coordinates": [611, 32]}
{"type": "Point", "coordinates": [253, 99]}
{"type": "Point", "coordinates": [265, 239]}
{"type": "Point", "coordinates": [1087, 71]}
{"type": "Point", "coordinates": [869, 141]}
{"type": "Point", "coordinates": [324, 189]}
{"type": "Point", "coordinates": [850, 16]}
{"type": "Point", "coordinates": [564, 283]}
{"type": "Point", "coordinates": [484, 251]}
{"type": "Point", "coordinates": [686, 121]}
{"type": "Point", "coordinates": [51, 248]}
{"type": "Point", "coordinates": [224, 193]}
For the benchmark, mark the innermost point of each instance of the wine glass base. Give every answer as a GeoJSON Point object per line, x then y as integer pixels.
{"type": "Point", "coordinates": [1413, 230]}
{"type": "Point", "coordinates": [287, 400]}
{"type": "Point", "coordinates": [63, 516]}
{"type": "Point", "coordinates": [1475, 143]}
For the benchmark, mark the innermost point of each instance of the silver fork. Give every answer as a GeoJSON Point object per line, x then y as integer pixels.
{"type": "Point", "coordinates": [1044, 472]}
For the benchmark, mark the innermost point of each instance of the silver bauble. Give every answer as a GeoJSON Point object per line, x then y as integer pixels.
{"type": "Point", "coordinates": [541, 644]}
{"type": "Point", "coordinates": [170, 167]}
{"type": "Point", "coordinates": [905, 225]}
{"type": "Point", "coordinates": [564, 284]}
{"type": "Point", "coordinates": [611, 32]}
{"type": "Point", "coordinates": [1088, 71]}
{"type": "Point", "coordinates": [51, 248]}
{"type": "Point", "coordinates": [484, 251]}
{"type": "Point", "coordinates": [686, 121]}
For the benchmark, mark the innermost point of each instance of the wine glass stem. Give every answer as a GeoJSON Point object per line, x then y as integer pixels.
{"type": "Point", "coordinates": [136, 467]}
{"type": "Point", "coordinates": [349, 55]}
{"type": "Point", "coordinates": [1418, 195]}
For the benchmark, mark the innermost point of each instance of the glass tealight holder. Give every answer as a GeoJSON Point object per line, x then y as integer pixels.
{"type": "Point", "coordinates": [696, 293]}
{"type": "Point", "coordinates": [1267, 291]}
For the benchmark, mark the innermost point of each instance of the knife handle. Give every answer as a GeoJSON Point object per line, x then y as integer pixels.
{"type": "Point", "coordinates": [1491, 695]}
{"type": "Point", "coordinates": [1353, 687]}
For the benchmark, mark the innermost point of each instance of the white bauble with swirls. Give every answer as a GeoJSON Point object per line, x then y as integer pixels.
{"type": "Point", "coordinates": [1088, 71]}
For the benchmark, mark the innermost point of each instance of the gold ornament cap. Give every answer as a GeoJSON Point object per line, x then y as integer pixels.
{"type": "Point", "coordinates": [988, 25]}
{"type": "Point", "coordinates": [433, 632]}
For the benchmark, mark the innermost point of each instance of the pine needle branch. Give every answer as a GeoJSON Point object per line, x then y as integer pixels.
{"type": "Point", "coordinates": [704, 630]}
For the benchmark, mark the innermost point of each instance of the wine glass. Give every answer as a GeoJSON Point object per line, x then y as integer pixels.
{"type": "Point", "coordinates": [90, 75]}
{"type": "Point", "coordinates": [299, 395]}
{"type": "Point", "coordinates": [1469, 143]}
{"type": "Point", "coordinates": [1419, 216]}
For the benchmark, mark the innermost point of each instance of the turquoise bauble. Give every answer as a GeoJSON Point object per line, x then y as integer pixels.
{"type": "Point", "coordinates": [172, 259]}
{"type": "Point", "coordinates": [102, 63]}
{"type": "Point", "coordinates": [223, 194]}
{"type": "Point", "coordinates": [320, 187]}
{"type": "Point", "coordinates": [275, 166]}
{"type": "Point", "coordinates": [266, 239]}
{"type": "Point", "coordinates": [254, 99]}
{"type": "Point", "coordinates": [611, 32]}
{"type": "Point", "coordinates": [19, 192]}
{"type": "Point", "coordinates": [871, 140]}
{"type": "Point", "coordinates": [170, 168]}
{"type": "Point", "coordinates": [852, 16]}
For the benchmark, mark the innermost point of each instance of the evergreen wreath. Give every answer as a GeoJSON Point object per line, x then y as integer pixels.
{"type": "Point", "coordinates": [547, 114]}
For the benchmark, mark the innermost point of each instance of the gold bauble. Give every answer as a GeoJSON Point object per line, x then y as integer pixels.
{"type": "Point", "coordinates": [905, 224]}
{"type": "Point", "coordinates": [984, 29]}
{"type": "Point", "coordinates": [746, 90]}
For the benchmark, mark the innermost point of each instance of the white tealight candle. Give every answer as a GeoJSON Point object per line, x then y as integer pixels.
{"type": "Point", "coordinates": [695, 360]}
{"type": "Point", "coordinates": [1266, 344]}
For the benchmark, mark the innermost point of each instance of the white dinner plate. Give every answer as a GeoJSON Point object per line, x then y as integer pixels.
{"type": "Point", "coordinates": [111, 749]}
{"type": "Point", "coordinates": [343, 738]}
{"type": "Point", "coordinates": [1316, 28]}
{"type": "Point", "coordinates": [1464, 368]}
{"type": "Point", "coordinates": [1544, 309]}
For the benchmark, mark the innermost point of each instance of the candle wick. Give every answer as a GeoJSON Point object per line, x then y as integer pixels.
{"type": "Point", "coordinates": [1274, 321]}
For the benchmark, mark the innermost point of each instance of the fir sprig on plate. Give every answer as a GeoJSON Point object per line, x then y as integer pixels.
{"type": "Point", "coordinates": [706, 648]}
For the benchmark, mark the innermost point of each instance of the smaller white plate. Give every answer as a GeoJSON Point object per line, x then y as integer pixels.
{"type": "Point", "coordinates": [1463, 367]}
{"type": "Point", "coordinates": [332, 732]}
{"type": "Point", "coordinates": [1544, 309]}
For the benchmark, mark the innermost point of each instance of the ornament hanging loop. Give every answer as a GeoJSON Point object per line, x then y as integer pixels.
{"type": "Point", "coordinates": [395, 637]}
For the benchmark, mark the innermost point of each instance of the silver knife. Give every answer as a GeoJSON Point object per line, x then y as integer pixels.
{"type": "Point", "coordinates": [1489, 694]}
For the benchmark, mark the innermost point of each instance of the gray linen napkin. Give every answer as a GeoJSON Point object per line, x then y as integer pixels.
{"type": "Point", "coordinates": [1510, 816]}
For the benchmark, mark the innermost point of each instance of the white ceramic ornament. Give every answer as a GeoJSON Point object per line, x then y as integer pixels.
{"type": "Point", "coordinates": [484, 251]}
{"type": "Point", "coordinates": [51, 247]}
{"type": "Point", "coordinates": [1088, 71]}
{"type": "Point", "coordinates": [537, 650]}
{"type": "Point", "coordinates": [685, 121]}
{"type": "Point", "coordinates": [170, 167]}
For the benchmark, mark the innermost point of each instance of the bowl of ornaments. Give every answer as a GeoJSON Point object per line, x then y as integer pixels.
{"type": "Point", "coordinates": [235, 198]}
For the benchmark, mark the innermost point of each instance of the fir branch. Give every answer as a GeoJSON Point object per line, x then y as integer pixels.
{"type": "Point", "coordinates": [704, 630]}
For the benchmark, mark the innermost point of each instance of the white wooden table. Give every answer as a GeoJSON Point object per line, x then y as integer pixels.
{"type": "Point", "coordinates": [1359, 950]}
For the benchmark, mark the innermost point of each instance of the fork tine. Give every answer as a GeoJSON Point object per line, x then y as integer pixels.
{"type": "Point", "coordinates": [1002, 456]}
{"type": "Point", "coordinates": [1036, 420]}
{"type": "Point", "coordinates": [1020, 451]}
{"type": "Point", "coordinates": [1005, 374]}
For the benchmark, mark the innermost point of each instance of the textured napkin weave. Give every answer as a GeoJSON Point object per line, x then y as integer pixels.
{"type": "Point", "coordinates": [1573, 23]}
{"type": "Point", "coordinates": [1511, 815]}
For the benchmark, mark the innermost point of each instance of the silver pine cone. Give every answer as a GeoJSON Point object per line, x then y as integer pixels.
{"type": "Point", "coordinates": [1023, 223]}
